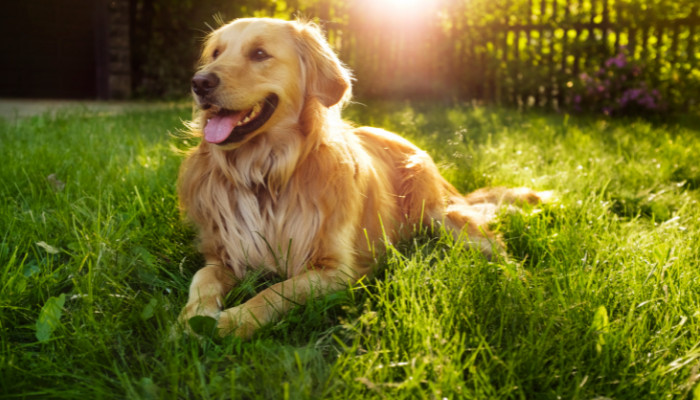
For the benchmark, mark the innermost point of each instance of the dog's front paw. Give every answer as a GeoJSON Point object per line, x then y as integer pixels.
{"type": "Point", "coordinates": [238, 321]}
{"type": "Point", "coordinates": [188, 324]}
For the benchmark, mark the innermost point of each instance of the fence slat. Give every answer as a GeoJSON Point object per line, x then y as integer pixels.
{"type": "Point", "coordinates": [632, 46]}
{"type": "Point", "coordinates": [606, 21]}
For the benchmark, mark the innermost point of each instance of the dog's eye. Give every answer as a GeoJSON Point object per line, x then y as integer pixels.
{"type": "Point", "coordinates": [259, 55]}
{"type": "Point", "coordinates": [216, 53]}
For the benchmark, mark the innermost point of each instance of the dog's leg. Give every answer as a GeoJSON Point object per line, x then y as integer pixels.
{"type": "Point", "coordinates": [468, 217]}
{"type": "Point", "coordinates": [276, 300]}
{"type": "Point", "coordinates": [207, 291]}
{"type": "Point", "coordinates": [506, 197]}
{"type": "Point", "coordinates": [470, 225]}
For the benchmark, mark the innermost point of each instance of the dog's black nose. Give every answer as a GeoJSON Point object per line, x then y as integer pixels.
{"type": "Point", "coordinates": [203, 84]}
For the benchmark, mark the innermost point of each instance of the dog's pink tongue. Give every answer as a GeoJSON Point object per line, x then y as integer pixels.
{"type": "Point", "coordinates": [220, 126]}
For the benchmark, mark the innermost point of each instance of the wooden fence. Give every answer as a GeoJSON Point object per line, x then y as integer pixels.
{"type": "Point", "coordinates": [511, 51]}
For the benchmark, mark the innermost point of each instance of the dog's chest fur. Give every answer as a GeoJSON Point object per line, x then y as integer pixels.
{"type": "Point", "coordinates": [250, 222]}
{"type": "Point", "coordinates": [272, 230]}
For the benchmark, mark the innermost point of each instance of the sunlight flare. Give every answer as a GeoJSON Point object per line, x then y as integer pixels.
{"type": "Point", "coordinates": [400, 9]}
{"type": "Point", "coordinates": [408, 4]}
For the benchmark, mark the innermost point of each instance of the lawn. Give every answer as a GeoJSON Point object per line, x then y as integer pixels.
{"type": "Point", "coordinates": [599, 299]}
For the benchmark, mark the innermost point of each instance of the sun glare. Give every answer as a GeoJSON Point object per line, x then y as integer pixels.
{"type": "Point", "coordinates": [402, 8]}
{"type": "Point", "coordinates": [408, 3]}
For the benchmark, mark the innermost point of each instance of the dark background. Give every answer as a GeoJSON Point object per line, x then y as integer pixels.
{"type": "Point", "coordinates": [509, 52]}
{"type": "Point", "coordinates": [50, 48]}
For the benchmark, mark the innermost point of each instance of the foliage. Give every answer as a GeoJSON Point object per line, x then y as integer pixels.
{"type": "Point", "coordinates": [498, 51]}
{"type": "Point", "coordinates": [599, 300]}
{"type": "Point", "coordinates": [50, 317]}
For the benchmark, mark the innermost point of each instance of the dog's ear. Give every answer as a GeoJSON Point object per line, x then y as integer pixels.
{"type": "Point", "coordinates": [326, 77]}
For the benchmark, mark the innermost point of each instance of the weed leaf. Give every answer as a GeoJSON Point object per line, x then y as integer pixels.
{"type": "Point", "coordinates": [144, 255]}
{"type": "Point", "coordinates": [203, 325]}
{"type": "Point", "coordinates": [31, 269]}
{"type": "Point", "coordinates": [49, 317]}
{"type": "Point", "coordinates": [148, 310]}
{"type": "Point", "coordinates": [149, 389]}
{"type": "Point", "coordinates": [600, 327]}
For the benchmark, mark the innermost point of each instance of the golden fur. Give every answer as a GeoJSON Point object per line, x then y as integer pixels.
{"type": "Point", "coordinates": [301, 195]}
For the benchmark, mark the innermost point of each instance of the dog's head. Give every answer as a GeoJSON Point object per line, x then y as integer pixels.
{"type": "Point", "coordinates": [256, 74]}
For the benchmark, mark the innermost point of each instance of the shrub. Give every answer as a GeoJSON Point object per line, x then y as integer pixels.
{"type": "Point", "coordinates": [618, 88]}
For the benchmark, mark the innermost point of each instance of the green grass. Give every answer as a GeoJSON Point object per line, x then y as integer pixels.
{"type": "Point", "coordinates": [600, 299]}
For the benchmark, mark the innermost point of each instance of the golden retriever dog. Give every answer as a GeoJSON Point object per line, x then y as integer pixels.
{"type": "Point", "coordinates": [281, 183]}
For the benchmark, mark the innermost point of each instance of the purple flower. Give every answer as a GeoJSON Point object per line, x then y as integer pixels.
{"type": "Point", "coordinates": [619, 61]}
{"type": "Point", "coordinates": [639, 96]}
{"type": "Point", "coordinates": [615, 86]}
{"type": "Point", "coordinates": [648, 102]}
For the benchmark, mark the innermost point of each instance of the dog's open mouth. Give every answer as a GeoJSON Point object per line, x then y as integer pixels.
{"type": "Point", "coordinates": [229, 126]}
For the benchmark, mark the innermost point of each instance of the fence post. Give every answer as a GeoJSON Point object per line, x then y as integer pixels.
{"type": "Point", "coordinates": [694, 21]}
{"type": "Point", "coordinates": [503, 67]}
{"type": "Point", "coordinates": [591, 36]}
{"type": "Point", "coordinates": [517, 75]}
{"type": "Point", "coordinates": [617, 27]}
{"type": "Point", "coordinates": [645, 39]}
{"type": "Point", "coordinates": [659, 48]}
{"type": "Point", "coordinates": [632, 34]}
{"type": "Point", "coordinates": [605, 27]}
{"type": "Point", "coordinates": [564, 47]}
